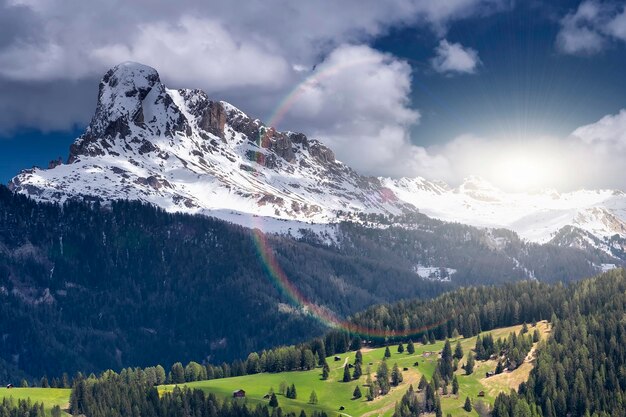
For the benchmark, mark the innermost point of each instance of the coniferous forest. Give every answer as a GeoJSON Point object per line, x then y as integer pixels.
{"type": "Point", "coordinates": [580, 369]}
{"type": "Point", "coordinates": [88, 287]}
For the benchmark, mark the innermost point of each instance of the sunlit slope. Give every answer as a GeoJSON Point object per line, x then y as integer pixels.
{"type": "Point", "coordinates": [333, 393]}
{"type": "Point", "coordinates": [49, 396]}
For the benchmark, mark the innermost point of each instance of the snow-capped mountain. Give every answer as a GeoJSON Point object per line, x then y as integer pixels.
{"type": "Point", "coordinates": [181, 151]}
{"type": "Point", "coordinates": [534, 216]}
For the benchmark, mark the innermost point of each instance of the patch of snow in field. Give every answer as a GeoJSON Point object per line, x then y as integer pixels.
{"type": "Point", "coordinates": [434, 273]}
{"type": "Point", "coordinates": [607, 267]}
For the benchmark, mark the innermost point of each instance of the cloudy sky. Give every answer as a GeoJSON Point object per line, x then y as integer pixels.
{"type": "Point", "coordinates": [442, 89]}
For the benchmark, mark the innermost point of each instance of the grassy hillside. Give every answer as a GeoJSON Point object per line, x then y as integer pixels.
{"type": "Point", "coordinates": [49, 396]}
{"type": "Point", "coordinates": [332, 393]}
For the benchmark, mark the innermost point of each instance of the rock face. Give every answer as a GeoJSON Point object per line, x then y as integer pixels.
{"type": "Point", "coordinates": [184, 152]}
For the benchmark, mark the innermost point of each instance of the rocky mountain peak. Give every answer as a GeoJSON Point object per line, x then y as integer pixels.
{"type": "Point", "coordinates": [183, 151]}
{"type": "Point", "coordinates": [121, 94]}
{"type": "Point", "coordinates": [133, 104]}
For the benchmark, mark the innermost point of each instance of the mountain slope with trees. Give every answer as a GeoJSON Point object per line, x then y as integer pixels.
{"type": "Point", "coordinates": [90, 286]}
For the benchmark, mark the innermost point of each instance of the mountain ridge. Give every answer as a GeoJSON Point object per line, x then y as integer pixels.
{"type": "Point", "coordinates": [181, 151]}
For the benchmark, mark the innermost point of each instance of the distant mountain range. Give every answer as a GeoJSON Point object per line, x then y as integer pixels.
{"type": "Point", "coordinates": [181, 151]}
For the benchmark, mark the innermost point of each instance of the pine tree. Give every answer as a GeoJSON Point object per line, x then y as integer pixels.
{"type": "Point", "coordinates": [346, 374]}
{"type": "Point", "coordinates": [356, 344]}
{"type": "Point", "coordinates": [438, 411]}
{"type": "Point", "coordinates": [294, 393]}
{"type": "Point", "coordinates": [455, 385]}
{"type": "Point", "coordinates": [458, 351]}
{"type": "Point", "coordinates": [325, 371]}
{"type": "Point", "coordinates": [445, 363]}
{"type": "Point", "coordinates": [400, 348]}
{"type": "Point", "coordinates": [422, 384]}
{"type": "Point", "coordinates": [370, 393]}
{"type": "Point", "coordinates": [468, 405]}
{"type": "Point", "coordinates": [382, 377]}
{"type": "Point", "coordinates": [357, 392]}
{"type": "Point", "coordinates": [425, 340]}
{"type": "Point", "coordinates": [480, 348]}
{"type": "Point", "coordinates": [436, 379]}
{"type": "Point", "coordinates": [410, 348]}
{"type": "Point", "coordinates": [536, 336]}
{"type": "Point", "coordinates": [396, 375]}
{"type": "Point", "coordinates": [273, 401]}
{"type": "Point", "coordinates": [358, 357]}
{"type": "Point", "coordinates": [313, 397]}
{"type": "Point", "coordinates": [469, 365]}
{"type": "Point", "coordinates": [387, 352]}
{"type": "Point", "coordinates": [177, 374]}
{"type": "Point", "coordinates": [356, 374]}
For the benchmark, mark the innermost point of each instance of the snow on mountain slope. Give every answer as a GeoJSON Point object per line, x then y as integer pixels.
{"type": "Point", "coordinates": [183, 152]}
{"type": "Point", "coordinates": [534, 216]}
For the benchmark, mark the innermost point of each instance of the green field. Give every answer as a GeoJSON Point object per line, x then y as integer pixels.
{"type": "Point", "coordinates": [49, 396]}
{"type": "Point", "coordinates": [332, 393]}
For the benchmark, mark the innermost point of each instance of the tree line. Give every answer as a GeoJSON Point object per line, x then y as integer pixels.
{"type": "Point", "coordinates": [117, 395]}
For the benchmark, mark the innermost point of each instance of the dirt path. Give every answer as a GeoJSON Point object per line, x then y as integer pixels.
{"type": "Point", "coordinates": [345, 362]}
{"type": "Point", "coordinates": [379, 411]}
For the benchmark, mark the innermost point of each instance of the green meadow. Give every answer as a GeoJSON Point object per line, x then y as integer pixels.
{"type": "Point", "coordinates": [49, 396]}
{"type": "Point", "coordinates": [333, 393]}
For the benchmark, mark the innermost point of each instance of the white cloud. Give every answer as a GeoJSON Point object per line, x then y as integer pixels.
{"type": "Point", "coordinates": [195, 51]}
{"type": "Point", "coordinates": [357, 102]}
{"type": "Point", "coordinates": [592, 27]}
{"type": "Point", "coordinates": [592, 156]}
{"type": "Point", "coordinates": [454, 58]}
{"type": "Point", "coordinates": [251, 54]}
{"type": "Point", "coordinates": [607, 134]}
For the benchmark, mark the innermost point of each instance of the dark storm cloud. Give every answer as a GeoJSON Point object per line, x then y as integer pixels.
{"type": "Point", "coordinates": [255, 53]}
{"type": "Point", "coordinates": [17, 24]}
{"type": "Point", "coordinates": [48, 106]}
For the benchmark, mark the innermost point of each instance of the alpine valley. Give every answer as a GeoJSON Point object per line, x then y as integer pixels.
{"type": "Point", "coordinates": [122, 254]}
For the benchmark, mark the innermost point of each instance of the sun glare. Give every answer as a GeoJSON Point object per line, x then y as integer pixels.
{"type": "Point", "coordinates": [522, 170]}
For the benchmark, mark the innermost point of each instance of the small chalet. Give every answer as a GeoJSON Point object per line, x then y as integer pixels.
{"type": "Point", "coordinates": [481, 394]}
{"type": "Point", "coordinates": [9, 386]}
{"type": "Point", "coordinates": [490, 374]}
{"type": "Point", "coordinates": [337, 358]}
{"type": "Point", "coordinates": [239, 393]}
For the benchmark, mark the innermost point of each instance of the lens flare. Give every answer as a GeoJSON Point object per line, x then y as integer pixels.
{"type": "Point", "coordinates": [276, 273]}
